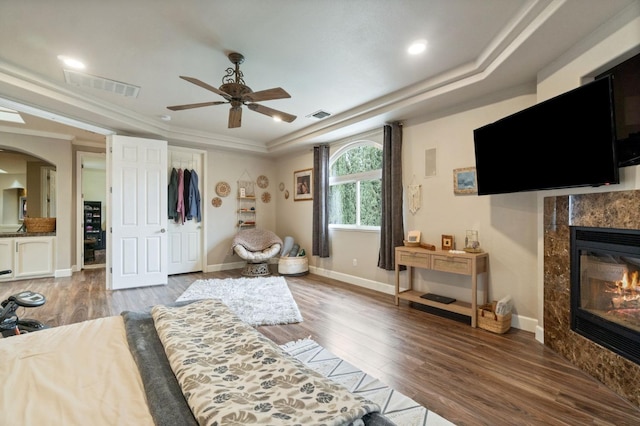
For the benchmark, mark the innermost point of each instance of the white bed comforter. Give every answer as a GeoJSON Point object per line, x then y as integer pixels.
{"type": "Point", "coordinates": [78, 374]}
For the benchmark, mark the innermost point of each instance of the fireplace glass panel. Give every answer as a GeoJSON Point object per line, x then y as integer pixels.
{"type": "Point", "coordinates": [605, 290]}
{"type": "Point", "coordinates": [610, 287]}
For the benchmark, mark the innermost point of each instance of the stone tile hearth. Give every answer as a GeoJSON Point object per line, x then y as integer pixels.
{"type": "Point", "coordinates": [604, 210]}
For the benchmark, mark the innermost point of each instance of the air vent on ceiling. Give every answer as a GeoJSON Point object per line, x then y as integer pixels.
{"type": "Point", "coordinates": [319, 115]}
{"type": "Point", "coordinates": [86, 80]}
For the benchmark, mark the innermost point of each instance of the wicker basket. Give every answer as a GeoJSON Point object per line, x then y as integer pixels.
{"type": "Point", "coordinates": [297, 265]}
{"type": "Point", "coordinates": [489, 320]}
{"type": "Point", "coordinates": [40, 224]}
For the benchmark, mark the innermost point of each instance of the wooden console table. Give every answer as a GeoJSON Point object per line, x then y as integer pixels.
{"type": "Point", "coordinates": [471, 264]}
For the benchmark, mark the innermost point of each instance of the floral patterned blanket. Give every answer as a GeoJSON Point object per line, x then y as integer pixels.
{"type": "Point", "coordinates": [231, 374]}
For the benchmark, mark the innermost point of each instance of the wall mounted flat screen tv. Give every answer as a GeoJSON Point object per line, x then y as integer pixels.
{"type": "Point", "coordinates": [564, 142]}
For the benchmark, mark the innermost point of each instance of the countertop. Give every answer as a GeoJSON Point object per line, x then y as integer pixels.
{"type": "Point", "coordinates": [26, 234]}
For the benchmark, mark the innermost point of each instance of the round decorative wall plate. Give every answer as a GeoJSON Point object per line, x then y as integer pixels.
{"type": "Point", "coordinates": [262, 181]}
{"type": "Point", "coordinates": [286, 194]}
{"type": "Point", "coordinates": [223, 189]}
{"type": "Point", "coordinates": [281, 186]}
{"type": "Point", "coordinates": [216, 201]}
{"type": "Point", "coordinates": [266, 197]}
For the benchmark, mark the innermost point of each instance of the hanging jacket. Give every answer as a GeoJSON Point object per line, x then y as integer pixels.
{"type": "Point", "coordinates": [172, 201]}
{"type": "Point", "coordinates": [186, 184]}
{"type": "Point", "coordinates": [194, 198]}
{"type": "Point", "coordinates": [180, 205]}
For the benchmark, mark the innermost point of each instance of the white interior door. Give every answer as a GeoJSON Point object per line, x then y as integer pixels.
{"type": "Point", "coordinates": [136, 212]}
{"type": "Point", "coordinates": [186, 239]}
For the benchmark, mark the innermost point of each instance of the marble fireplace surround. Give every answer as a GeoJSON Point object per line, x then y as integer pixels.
{"type": "Point", "coordinates": [605, 210]}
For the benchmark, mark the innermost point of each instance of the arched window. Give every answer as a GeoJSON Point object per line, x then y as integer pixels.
{"type": "Point", "coordinates": [355, 173]}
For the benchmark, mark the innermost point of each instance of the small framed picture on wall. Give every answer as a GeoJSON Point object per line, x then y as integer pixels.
{"type": "Point", "coordinates": [465, 181]}
{"type": "Point", "coordinates": [302, 182]}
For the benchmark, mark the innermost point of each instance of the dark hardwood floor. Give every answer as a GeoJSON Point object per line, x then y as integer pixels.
{"type": "Point", "coordinates": [469, 376]}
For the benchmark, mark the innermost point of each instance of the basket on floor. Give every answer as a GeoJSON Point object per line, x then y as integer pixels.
{"type": "Point", "coordinates": [296, 265]}
{"type": "Point", "coordinates": [40, 224]}
{"type": "Point", "coordinates": [489, 320]}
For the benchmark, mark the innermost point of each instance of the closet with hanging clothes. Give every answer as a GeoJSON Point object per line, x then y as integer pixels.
{"type": "Point", "coordinates": [186, 233]}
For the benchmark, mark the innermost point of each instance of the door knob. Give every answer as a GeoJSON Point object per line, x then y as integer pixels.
{"type": "Point", "coordinates": [163, 230]}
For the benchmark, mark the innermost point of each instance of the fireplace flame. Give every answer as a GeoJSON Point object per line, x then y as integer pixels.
{"type": "Point", "coordinates": [628, 292]}
{"type": "Point", "coordinates": [629, 284]}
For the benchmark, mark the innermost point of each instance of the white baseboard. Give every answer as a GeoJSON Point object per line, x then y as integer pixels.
{"type": "Point", "coordinates": [63, 273]}
{"type": "Point", "coordinates": [350, 279]}
{"type": "Point", "coordinates": [540, 334]}
{"type": "Point", "coordinates": [224, 266]}
{"type": "Point", "coordinates": [519, 322]}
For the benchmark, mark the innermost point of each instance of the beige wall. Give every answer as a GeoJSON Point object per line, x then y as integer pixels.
{"type": "Point", "coordinates": [509, 225]}
{"type": "Point", "coordinates": [602, 53]}
{"type": "Point", "coordinates": [231, 167]}
{"type": "Point", "coordinates": [58, 153]}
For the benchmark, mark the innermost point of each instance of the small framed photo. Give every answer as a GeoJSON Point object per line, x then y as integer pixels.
{"type": "Point", "coordinates": [413, 236]}
{"type": "Point", "coordinates": [22, 208]}
{"type": "Point", "coordinates": [465, 181]}
{"type": "Point", "coordinates": [302, 182]}
{"type": "Point", "coordinates": [447, 242]}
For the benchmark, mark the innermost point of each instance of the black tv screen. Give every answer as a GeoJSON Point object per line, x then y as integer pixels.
{"type": "Point", "coordinates": [567, 141]}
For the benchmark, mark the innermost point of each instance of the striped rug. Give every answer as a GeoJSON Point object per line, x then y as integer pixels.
{"type": "Point", "coordinates": [397, 407]}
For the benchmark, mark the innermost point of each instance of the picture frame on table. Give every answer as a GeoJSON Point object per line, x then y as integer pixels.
{"type": "Point", "coordinates": [465, 181]}
{"type": "Point", "coordinates": [447, 242]}
{"type": "Point", "coordinates": [303, 185]}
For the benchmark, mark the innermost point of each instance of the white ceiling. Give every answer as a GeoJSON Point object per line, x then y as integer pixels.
{"type": "Point", "coordinates": [347, 57]}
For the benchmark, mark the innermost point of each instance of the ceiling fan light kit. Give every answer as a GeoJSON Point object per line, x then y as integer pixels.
{"type": "Point", "coordinates": [237, 93]}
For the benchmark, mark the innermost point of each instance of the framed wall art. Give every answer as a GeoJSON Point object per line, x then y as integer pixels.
{"type": "Point", "coordinates": [302, 183]}
{"type": "Point", "coordinates": [465, 181]}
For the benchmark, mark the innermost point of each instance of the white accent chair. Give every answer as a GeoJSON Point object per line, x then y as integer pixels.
{"type": "Point", "coordinates": [256, 246]}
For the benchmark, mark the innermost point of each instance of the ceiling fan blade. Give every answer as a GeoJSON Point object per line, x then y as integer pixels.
{"type": "Point", "coordinates": [206, 86]}
{"type": "Point", "coordinates": [189, 106]}
{"type": "Point", "coordinates": [271, 112]}
{"type": "Point", "coordinates": [266, 95]}
{"type": "Point", "coordinates": [235, 117]}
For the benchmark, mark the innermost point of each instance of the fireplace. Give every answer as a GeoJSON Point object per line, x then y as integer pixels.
{"type": "Point", "coordinates": [602, 213]}
{"type": "Point", "coordinates": [605, 288]}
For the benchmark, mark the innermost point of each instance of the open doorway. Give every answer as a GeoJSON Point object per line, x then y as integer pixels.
{"type": "Point", "coordinates": [92, 199]}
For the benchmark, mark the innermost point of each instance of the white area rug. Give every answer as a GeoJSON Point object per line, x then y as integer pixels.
{"type": "Point", "coordinates": [257, 301]}
{"type": "Point", "coordinates": [397, 407]}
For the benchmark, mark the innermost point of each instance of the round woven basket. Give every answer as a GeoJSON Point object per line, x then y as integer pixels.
{"type": "Point", "coordinates": [296, 265]}
{"type": "Point", "coordinates": [40, 224]}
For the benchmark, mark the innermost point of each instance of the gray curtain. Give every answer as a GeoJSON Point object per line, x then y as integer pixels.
{"type": "Point", "coordinates": [320, 238]}
{"type": "Point", "coordinates": [391, 224]}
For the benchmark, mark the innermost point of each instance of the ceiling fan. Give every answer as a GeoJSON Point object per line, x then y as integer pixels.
{"type": "Point", "coordinates": [237, 93]}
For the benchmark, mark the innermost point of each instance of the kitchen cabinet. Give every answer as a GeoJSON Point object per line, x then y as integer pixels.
{"type": "Point", "coordinates": [27, 257]}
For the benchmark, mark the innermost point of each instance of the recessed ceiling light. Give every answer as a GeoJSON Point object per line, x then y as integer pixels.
{"type": "Point", "coordinates": [277, 118]}
{"type": "Point", "coordinates": [71, 62]}
{"type": "Point", "coordinates": [417, 47]}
